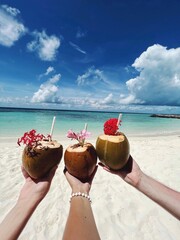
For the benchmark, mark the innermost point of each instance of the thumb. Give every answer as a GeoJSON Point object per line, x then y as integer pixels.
{"type": "Point", "coordinates": [25, 174]}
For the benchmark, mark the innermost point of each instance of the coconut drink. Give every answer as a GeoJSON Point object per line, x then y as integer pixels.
{"type": "Point", "coordinates": [40, 153]}
{"type": "Point", "coordinates": [80, 159]}
{"type": "Point", "coordinates": [112, 147]}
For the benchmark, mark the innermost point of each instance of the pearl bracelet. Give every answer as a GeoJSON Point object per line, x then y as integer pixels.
{"type": "Point", "coordinates": [79, 194]}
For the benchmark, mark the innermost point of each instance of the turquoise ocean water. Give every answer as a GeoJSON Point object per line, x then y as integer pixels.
{"type": "Point", "coordinates": [14, 122]}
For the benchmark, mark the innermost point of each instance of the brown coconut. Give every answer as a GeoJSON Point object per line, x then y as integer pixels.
{"type": "Point", "coordinates": [113, 151]}
{"type": "Point", "coordinates": [80, 161]}
{"type": "Point", "coordinates": [38, 160]}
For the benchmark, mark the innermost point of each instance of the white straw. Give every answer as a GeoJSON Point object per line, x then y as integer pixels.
{"type": "Point", "coordinates": [85, 128]}
{"type": "Point", "coordinates": [119, 119]}
{"type": "Point", "coordinates": [52, 127]}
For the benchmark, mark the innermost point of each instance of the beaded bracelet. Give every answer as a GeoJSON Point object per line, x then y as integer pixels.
{"type": "Point", "coordinates": [79, 194]}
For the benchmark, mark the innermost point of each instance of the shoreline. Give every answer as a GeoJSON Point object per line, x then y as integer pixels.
{"type": "Point", "coordinates": [11, 142]}
{"type": "Point", "coordinates": [131, 135]}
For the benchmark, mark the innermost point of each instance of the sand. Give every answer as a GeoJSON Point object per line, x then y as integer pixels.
{"type": "Point", "coordinates": [120, 211]}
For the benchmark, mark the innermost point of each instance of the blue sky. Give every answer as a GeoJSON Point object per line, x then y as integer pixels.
{"type": "Point", "coordinates": [91, 55]}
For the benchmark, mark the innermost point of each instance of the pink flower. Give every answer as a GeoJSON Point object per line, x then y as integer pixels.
{"type": "Point", "coordinates": [80, 137]}
{"type": "Point", "coordinates": [72, 135]}
{"type": "Point", "coordinates": [84, 134]}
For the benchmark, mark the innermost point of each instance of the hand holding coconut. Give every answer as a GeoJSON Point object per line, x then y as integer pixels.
{"type": "Point", "coordinates": [112, 147]}
{"type": "Point", "coordinates": [40, 153]}
{"type": "Point", "coordinates": [81, 158]}
{"type": "Point", "coordinates": [130, 173]}
{"type": "Point", "coordinates": [78, 186]}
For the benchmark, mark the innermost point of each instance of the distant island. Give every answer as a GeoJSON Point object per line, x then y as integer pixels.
{"type": "Point", "coordinates": [166, 115]}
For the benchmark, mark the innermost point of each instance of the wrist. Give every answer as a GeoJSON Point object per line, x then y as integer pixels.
{"type": "Point", "coordinates": [26, 207]}
{"type": "Point", "coordinates": [139, 184]}
{"type": "Point", "coordinates": [82, 190]}
{"type": "Point", "coordinates": [81, 195]}
{"type": "Point", "coordinates": [32, 201]}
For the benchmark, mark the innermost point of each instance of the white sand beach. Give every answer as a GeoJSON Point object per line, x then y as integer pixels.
{"type": "Point", "coordinates": [120, 211]}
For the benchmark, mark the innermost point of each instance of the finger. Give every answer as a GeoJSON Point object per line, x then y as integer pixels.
{"type": "Point", "coordinates": [65, 170]}
{"type": "Point", "coordinates": [104, 167]}
{"type": "Point", "coordinates": [107, 169]}
{"type": "Point", "coordinates": [25, 174]}
{"type": "Point", "coordinates": [67, 175]}
{"type": "Point", "coordinates": [101, 164]}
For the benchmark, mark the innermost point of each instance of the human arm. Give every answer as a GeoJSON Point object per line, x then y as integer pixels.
{"type": "Point", "coordinates": [166, 197]}
{"type": "Point", "coordinates": [30, 196]}
{"type": "Point", "coordinates": [80, 224]}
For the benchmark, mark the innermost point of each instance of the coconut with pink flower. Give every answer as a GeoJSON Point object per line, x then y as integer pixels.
{"type": "Point", "coordinates": [80, 158]}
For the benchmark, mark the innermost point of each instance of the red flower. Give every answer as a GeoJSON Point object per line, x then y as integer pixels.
{"type": "Point", "coordinates": [31, 139]}
{"type": "Point", "coordinates": [110, 126]}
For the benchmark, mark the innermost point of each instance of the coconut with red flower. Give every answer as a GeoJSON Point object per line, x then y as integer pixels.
{"type": "Point", "coordinates": [40, 153]}
{"type": "Point", "coordinates": [80, 159]}
{"type": "Point", "coordinates": [112, 147]}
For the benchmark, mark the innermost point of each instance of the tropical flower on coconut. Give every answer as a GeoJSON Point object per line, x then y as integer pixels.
{"type": "Point", "coordinates": [111, 126]}
{"type": "Point", "coordinates": [80, 137]}
{"type": "Point", "coordinates": [31, 138]}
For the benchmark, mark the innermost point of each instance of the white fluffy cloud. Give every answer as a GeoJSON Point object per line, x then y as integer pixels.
{"type": "Point", "coordinates": [91, 77]}
{"type": "Point", "coordinates": [158, 82]}
{"type": "Point", "coordinates": [109, 100]}
{"type": "Point", "coordinates": [45, 46]}
{"type": "Point", "coordinates": [47, 92]}
{"type": "Point", "coordinates": [11, 29]}
{"type": "Point", "coordinates": [49, 70]}
{"type": "Point", "coordinates": [11, 10]}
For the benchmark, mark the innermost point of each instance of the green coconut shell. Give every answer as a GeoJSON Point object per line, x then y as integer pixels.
{"type": "Point", "coordinates": [39, 160]}
{"type": "Point", "coordinates": [113, 151]}
{"type": "Point", "coordinates": [80, 161]}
